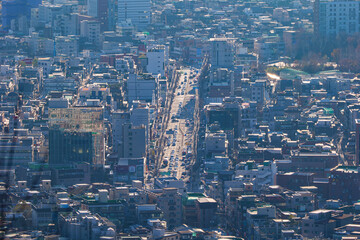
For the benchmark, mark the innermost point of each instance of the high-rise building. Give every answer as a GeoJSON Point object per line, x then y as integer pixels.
{"type": "Point", "coordinates": [99, 9]}
{"type": "Point", "coordinates": [140, 116]}
{"type": "Point", "coordinates": [134, 142]}
{"type": "Point", "coordinates": [138, 11]}
{"type": "Point", "coordinates": [332, 17]}
{"type": "Point", "coordinates": [91, 31]}
{"type": "Point", "coordinates": [112, 15]}
{"type": "Point", "coordinates": [221, 52]}
{"type": "Point", "coordinates": [156, 60]}
{"type": "Point", "coordinates": [130, 135]}
{"type": "Point", "coordinates": [76, 134]}
{"type": "Point", "coordinates": [118, 120]}
{"type": "Point", "coordinates": [12, 10]}
{"type": "Point", "coordinates": [206, 212]}
{"type": "Point", "coordinates": [227, 115]}
{"type": "Point", "coordinates": [170, 202]}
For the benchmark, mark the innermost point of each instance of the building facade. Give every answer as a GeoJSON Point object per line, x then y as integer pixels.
{"type": "Point", "coordinates": [76, 135]}
{"type": "Point", "coordinates": [137, 11]}
{"type": "Point", "coordinates": [332, 17]}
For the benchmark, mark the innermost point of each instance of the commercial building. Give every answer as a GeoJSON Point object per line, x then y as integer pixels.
{"type": "Point", "coordinates": [137, 11]}
{"type": "Point", "coordinates": [141, 87]}
{"type": "Point", "coordinates": [12, 10]}
{"type": "Point", "coordinates": [134, 141]}
{"type": "Point", "coordinates": [118, 120]}
{"type": "Point", "coordinates": [156, 60]}
{"type": "Point", "coordinates": [226, 114]}
{"type": "Point", "coordinates": [90, 30]}
{"type": "Point", "coordinates": [333, 17]}
{"type": "Point", "coordinates": [76, 134]}
{"type": "Point", "coordinates": [129, 169]}
{"type": "Point", "coordinates": [221, 52]}
{"type": "Point", "coordinates": [16, 151]}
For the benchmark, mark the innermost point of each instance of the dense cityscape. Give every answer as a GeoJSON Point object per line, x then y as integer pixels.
{"type": "Point", "coordinates": [179, 119]}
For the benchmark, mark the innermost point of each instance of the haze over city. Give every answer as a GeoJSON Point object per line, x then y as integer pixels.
{"type": "Point", "coordinates": [179, 119]}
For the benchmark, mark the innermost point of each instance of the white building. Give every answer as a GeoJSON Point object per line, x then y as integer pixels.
{"type": "Point", "coordinates": [257, 175]}
{"type": "Point", "coordinates": [91, 31]}
{"type": "Point", "coordinates": [137, 11]}
{"type": "Point", "coordinates": [156, 60]}
{"type": "Point", "coordinates": [332, 17]}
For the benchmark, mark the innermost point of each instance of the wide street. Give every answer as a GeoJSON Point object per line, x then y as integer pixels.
{"type": "Point", "coordinates": [178, 147]}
